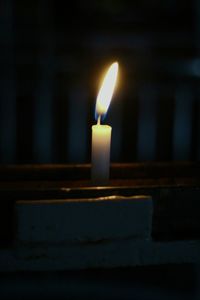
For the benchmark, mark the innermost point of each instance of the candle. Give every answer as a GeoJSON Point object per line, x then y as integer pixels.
{"type": "Point", "coordinates": [101, 134]}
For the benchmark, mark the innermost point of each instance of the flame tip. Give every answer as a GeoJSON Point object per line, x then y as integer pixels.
{"type": "Point", "coordinates": [115, 64]}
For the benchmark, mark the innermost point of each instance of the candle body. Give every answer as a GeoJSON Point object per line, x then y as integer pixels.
{"type": "Point", "coordinates": [101, 140]}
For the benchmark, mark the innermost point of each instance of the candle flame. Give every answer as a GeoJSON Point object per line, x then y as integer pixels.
{"type": "Point", "coordinates": [106, 91]}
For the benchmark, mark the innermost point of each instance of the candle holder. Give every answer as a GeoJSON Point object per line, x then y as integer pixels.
{"type": "Point", "coordinates": [84, 221]}
{"type": "Point", "coordinates": [55, 218]}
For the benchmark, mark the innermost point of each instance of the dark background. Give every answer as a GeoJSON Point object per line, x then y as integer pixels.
{"type": "Point", "coordinates": [52, 56]}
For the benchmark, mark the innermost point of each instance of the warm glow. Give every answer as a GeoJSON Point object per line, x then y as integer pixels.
{"type": "Point", "coordinates": [106, 90]}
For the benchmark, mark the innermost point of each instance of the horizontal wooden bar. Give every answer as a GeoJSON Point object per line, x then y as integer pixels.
{"type": "Point", "coordinates": [118, 171]}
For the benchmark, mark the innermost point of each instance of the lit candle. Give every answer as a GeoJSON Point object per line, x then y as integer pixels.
{"type": "Point", "coordinates": [101, 134]}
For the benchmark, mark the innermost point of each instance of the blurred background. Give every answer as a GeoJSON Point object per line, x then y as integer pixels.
{"type": "Point", "coordinates": [52, 57]}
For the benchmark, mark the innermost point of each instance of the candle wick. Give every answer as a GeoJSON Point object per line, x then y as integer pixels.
{"type": "Point", "coordinates": [99, 120]}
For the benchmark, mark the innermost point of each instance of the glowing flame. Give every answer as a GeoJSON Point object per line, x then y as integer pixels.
{"type": "Point", "coordinates": [106, 90]}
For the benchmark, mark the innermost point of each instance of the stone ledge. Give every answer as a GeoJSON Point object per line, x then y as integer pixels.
{"type": "Point", "coordinates": [84, 220]}
{"type": "Point", "coordinates": [123, 253]}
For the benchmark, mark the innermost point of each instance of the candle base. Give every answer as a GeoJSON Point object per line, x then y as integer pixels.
{"type": "Point", "coordinates": [99, 182]}
{"type": "Point", "coordinates": [84, 220]}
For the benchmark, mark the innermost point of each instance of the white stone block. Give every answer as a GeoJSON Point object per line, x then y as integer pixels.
{"type": "Point", "coordinates": [84, 220]}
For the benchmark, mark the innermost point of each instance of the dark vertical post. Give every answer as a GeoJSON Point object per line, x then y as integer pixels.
{"type": "Point", "coordinates": [197, 112]}
{"type": "Point", "coordinates": [77, 125]}
{"type": "Point", "coordinates": [7, 84]}
{"type": "Point", "coordinates": [43, 116]}
{"type": "Point", "coordinates": [26, 76]}
{"type": "Point", "coordinates": [146, 147]}
{"type": "Point", "coordinates": [60, 114]}
{"type": "Point", "coordinates": [130, 125]}
{"type": "Point", "coordinates": [165, 119]}
{"type": "Point", "coordinates": [182, 133]}
{"type": "Point", "coordinates": [196, 126]}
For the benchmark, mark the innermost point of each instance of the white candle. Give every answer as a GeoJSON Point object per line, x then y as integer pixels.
{"type": "Point", "coordinates": [101, 140]}
{"type": "Point", "coordinates": [101, 134]}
